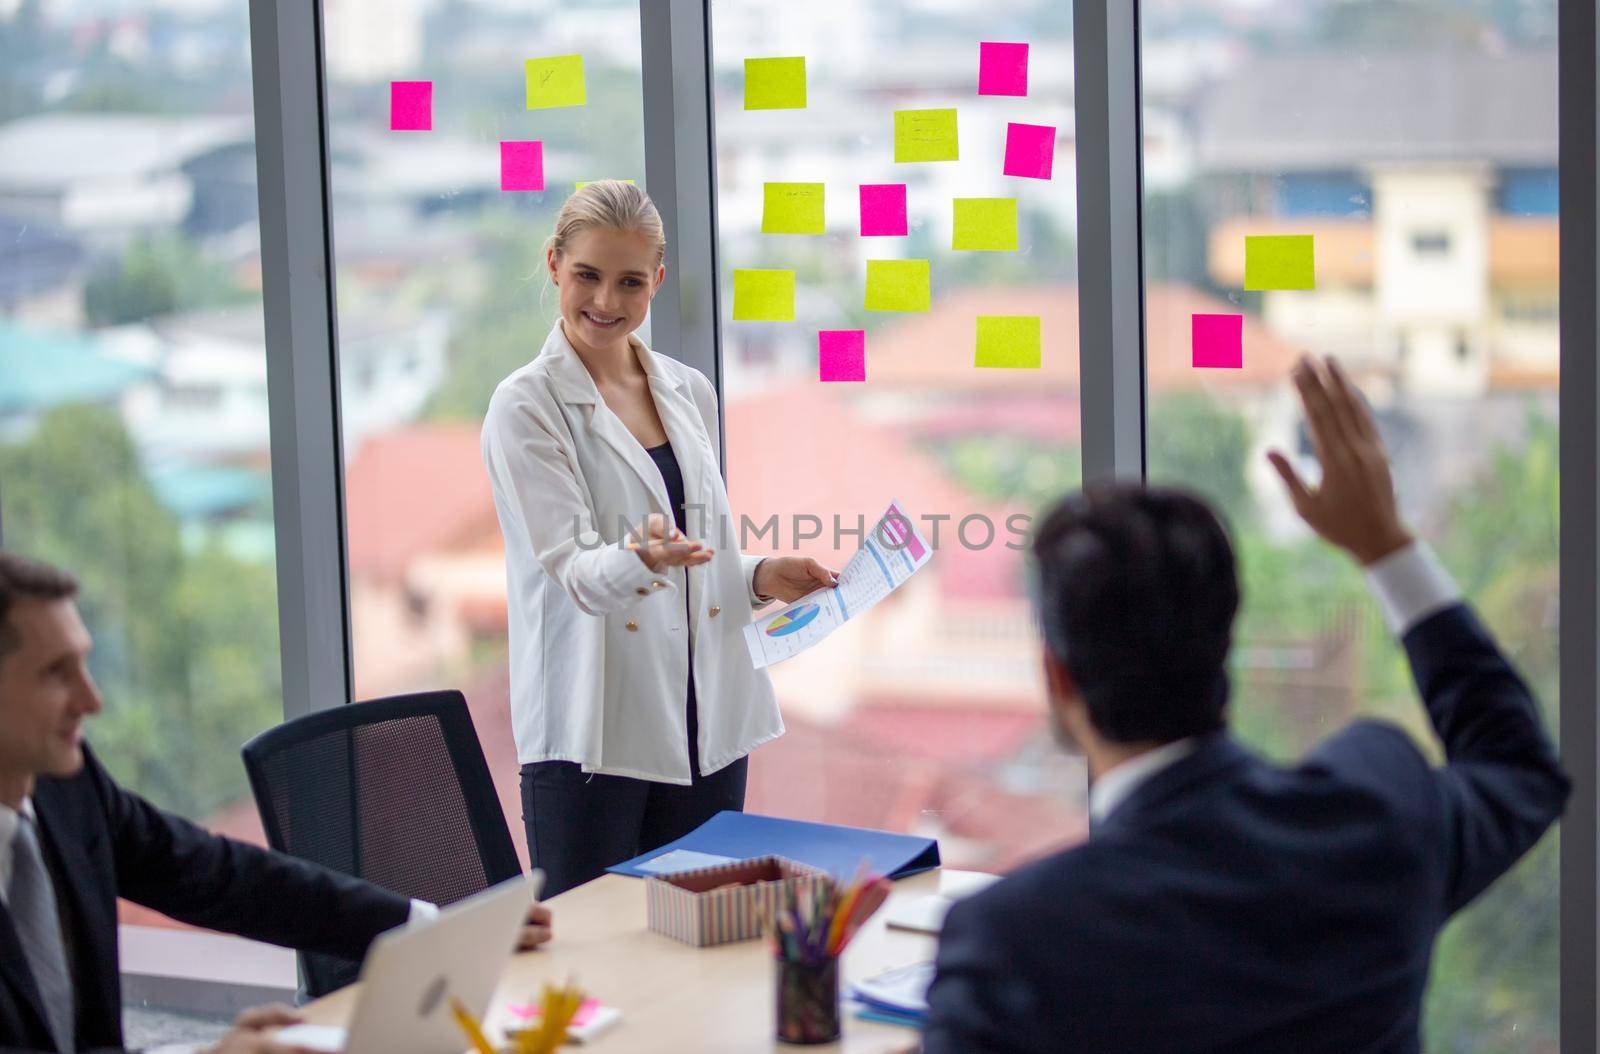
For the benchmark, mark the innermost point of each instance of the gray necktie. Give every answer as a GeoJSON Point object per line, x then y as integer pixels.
{"type": "Point", "coordinates": [32, 900]}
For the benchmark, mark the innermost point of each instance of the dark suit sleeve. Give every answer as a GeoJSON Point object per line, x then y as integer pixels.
{"type": "Point", "coordinates": [979, 1000]}
{"type": "Point", "coordinates": [1502, 785]}
{"type": "Point", "coordinates": [169, 864]}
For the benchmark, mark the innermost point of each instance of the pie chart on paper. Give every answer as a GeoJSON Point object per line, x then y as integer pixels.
{"type": "Point", "coordinates": [792, 621]}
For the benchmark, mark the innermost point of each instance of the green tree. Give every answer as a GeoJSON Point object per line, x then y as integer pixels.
{"type": "Point", "coordinates": [1196, 443]}
{"type": "Point", "coordinates": [156, 275]}
{"type": "Point", "coordinates": [1496, 972]}
{"type": "Point", "coordinates": [186, 648]}
{"type": "Point", "coordinates": [504, 328]}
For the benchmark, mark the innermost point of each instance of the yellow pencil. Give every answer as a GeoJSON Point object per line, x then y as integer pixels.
{"type": "Point", "coordinates": [469, 1025]}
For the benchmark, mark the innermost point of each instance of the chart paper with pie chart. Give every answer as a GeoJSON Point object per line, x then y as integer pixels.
{"type": "Point", "coordinates": [892, 553]}
{"type": "Point", "coordinates": [792, 620]}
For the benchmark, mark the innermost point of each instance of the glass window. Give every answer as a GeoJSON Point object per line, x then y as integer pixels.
{"type": "Point", "coordinates": [1438, 291]}
{"type": "Point", "coordinates": [927, 714]}
{"type": "Point", "coordinates": [133, 389]}
{"type": "Point", "coordinates": [442, 293]}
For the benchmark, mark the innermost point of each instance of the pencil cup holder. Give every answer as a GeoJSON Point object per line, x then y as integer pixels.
{"type": "Point", "coordinates": [808, 1000]}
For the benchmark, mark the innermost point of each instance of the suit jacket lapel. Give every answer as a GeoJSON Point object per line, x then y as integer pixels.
{"type": "Point", "coordinates": [1214, 754]}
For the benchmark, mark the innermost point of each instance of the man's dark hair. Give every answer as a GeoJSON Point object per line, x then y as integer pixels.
{"type": "Point", "coordinates": [1136, 593]}
{"type": "Point", "coordinates": [25, 579]}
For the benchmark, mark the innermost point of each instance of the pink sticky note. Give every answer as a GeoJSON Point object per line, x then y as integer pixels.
{"type": "Point", "coordinates": [1030, 150]}
{"type": "Point", "coordinates": [410, 106]}
{"type": "Point", "coordinates": [842, 354]}
{"type": "Point", "coordinates": [522, 165]}
{"type": "Point", "coordinates": [883, 209]}
{"type": "Point", "coordinates": [1218, 341]}
{"type": "Point", "coordinates": [1002, 68]}
{"type": "Point", "coordinates": [529, 1011]}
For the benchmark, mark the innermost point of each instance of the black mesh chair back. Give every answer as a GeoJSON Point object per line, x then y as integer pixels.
{"type": "Point", "coordinates": [394, 791]}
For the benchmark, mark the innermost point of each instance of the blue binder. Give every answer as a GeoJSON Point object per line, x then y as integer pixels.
{"type": "Point", "coordinates": [837, 850]}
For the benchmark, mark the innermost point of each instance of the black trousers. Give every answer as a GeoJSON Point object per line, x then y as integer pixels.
{"type": "Point", "coordinates": [581, 823]}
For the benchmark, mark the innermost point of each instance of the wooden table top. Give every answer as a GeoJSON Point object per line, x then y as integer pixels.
{"type": "Point", "coordinates": [677, 998]}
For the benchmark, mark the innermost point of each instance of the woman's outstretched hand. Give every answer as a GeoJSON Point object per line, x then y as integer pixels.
{"type": "Point", "coordinates": [789, 578]}
{"type": "Point", "coordinates": [666, 546]}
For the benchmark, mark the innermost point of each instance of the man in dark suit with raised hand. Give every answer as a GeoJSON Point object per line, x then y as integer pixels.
{"type": "Point", "coordinates": [1224, 903]}
{"type": "Point", "coordinates": [72, 842]}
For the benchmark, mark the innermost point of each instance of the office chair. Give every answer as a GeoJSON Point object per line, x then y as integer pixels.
{"type": "Point", "coordinates": [395, 791]}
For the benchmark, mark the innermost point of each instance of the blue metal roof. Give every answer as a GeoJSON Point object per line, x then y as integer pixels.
{"type": "Point", "coordinates": [42, 369]}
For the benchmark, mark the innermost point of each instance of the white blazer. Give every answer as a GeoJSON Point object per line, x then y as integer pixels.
{"type": "Point", "coordinates": [600, 643]}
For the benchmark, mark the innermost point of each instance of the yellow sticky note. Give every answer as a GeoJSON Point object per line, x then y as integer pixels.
{"type": "Point", "coordinates": [1008, 342]}
{"type": "Point", "coordinates": [925, 135]}
{"type": "Point", "coordinates": [898, 285]}
{"type": "Point", "coordinates": [555, 81]}
{"type": "Point", "coordinates": [763, 296]}
{"type": "Point", "coordinates": [580, 184]}
{"type": "Point", "coordinates": [775, 84]}
{"type": "Point", "coordinates": [792, 208]}
{"type": "Point", "coordinates": [985, 225]}
{"type": "Point", "coordinates": [1279, 261]}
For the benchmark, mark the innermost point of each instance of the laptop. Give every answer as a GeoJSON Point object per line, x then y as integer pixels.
{"type": "Point", "coordinates": [411, 973]}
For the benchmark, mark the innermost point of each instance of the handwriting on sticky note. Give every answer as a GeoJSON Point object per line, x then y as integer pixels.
{"type": "Point", "coordinates": [775, 84]}
{"type": "Point", "coordinates": [1279, 261]}
{"type": "Point", "coordinates": [763, 296]}
{"type": "Point", "coordinates": [792, 208]}
{"type": "Point", "coordinates": [898, 285]}
{"type": "Point", "coordinates": [1008, 342]}
{"type": "Point", "coordinates": [1030, 150]}
{"type": "Point", "coordinates": [842, 354]}
{"type": "Point", "coordinates": [556, 81]}
{"type": "Point", "coordinates": [1217, 341]}
{"type": "Point", "coordinates": [410, 106]}
{"type": "Point", "coordinates": [985, 225]}
{"type": "Point", "coordinates": [883, 210]}
{"type": "Point", "coordinates": [926, 135]}
{"type": "Point", "coordinates": [522, 165]}
{"type": "Point", "coordinates": [1002, 68]}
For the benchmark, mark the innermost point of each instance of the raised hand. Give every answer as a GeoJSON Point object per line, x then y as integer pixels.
{"type": "Point", "coordinates": [1354, 505]}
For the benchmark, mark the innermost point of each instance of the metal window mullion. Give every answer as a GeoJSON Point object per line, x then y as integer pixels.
{"type": "Point", "coordinates": [1579, 51]}
{"type": "Point", "coordinates": [1111, 369]}
{"type": "Point", "coordinates": [302, 354]}
{"type": "Point", "coordinates": [680, 171]}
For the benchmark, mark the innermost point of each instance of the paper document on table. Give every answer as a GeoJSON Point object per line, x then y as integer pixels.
{"type": "Point", "coordinates": [893, 552]}
{"type": "Point", "coordinates": [683, 860]}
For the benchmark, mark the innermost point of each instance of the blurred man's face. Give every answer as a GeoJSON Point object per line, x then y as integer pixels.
{"type": "Point", "coordinates": [45, 692]}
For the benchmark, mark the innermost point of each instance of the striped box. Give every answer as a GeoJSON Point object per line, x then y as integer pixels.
{"type": "Point", "coordinates": [715, 905]}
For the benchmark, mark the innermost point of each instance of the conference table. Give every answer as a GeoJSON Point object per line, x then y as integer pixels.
{"type": "Point", "coordinates": [677, 998]}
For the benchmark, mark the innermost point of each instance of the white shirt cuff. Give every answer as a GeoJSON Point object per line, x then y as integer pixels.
{"type": "Point", "coordinates": [1410, 585]}
{"type": "Point", "coordinates": [422, 911]}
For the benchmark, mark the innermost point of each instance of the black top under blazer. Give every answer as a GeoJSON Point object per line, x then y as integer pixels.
{"type": "Point", "coordinates": [1230, 905]}
{"type": "Point", "coordinates": [101, 842]}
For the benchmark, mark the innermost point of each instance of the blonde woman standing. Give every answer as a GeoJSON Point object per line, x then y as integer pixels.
{"type": "Point", "coordinates": [633, 699]}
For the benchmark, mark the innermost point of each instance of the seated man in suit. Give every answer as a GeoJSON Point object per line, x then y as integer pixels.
{"type": "Point", "coordinates": [72, 841]}
{"type": "Point", "coordinates": [1224, 903]}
